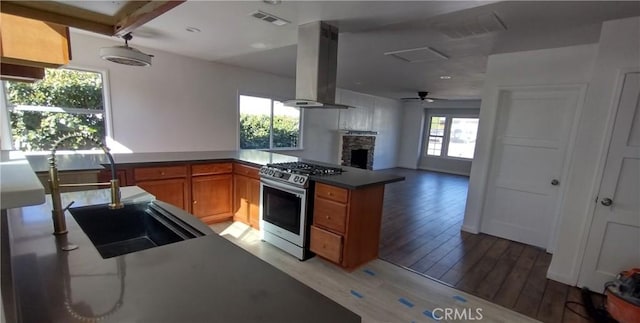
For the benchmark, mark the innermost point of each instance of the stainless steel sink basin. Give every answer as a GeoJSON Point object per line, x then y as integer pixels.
{"type": "Point", "coordinates": [132, 228]}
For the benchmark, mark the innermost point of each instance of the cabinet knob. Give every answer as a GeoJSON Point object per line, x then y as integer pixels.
{"type": "Point", "coordinates": [162, 173]}
{"type": "Point", "coordinates": [330, 194]}
{"type": "Point", "coordinates": [328, 217]}
{"type": "Point", "coordinates": [194, 202]}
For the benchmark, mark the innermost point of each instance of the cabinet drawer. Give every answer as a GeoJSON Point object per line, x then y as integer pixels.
{"type": "Point", "coordinates": [210, 169]}
{"type": "Point", "coordinates": [151, 173]}
{"type": "Point", "coordinates": [329, 214]}
{"type": "Point", "coordinates": [331, 192]}
{"type": "Point", "coordinates": [326, 244]}
{"type": "Point", "coordinates": [246, 170]}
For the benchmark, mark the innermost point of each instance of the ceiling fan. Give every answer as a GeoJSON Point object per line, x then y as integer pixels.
{"type": "Point", "coordinates": [423, 96]}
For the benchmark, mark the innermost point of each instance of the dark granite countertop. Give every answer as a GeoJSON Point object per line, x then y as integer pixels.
{"type": "Point", "coordinates": [351, 178]}
{"type": "Point", "coordinates": [206, 279]}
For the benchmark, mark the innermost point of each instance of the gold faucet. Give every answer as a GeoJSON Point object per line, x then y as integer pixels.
{"type": "Point", "coordinates": [57, 214]}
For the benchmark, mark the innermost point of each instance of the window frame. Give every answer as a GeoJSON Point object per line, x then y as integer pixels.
{"type": "Point", "coordinates": [273, 99]}
{"type": "Point", "coordinates": [106, 111]}
{"type": "Point", "coordinates": [447, 133]}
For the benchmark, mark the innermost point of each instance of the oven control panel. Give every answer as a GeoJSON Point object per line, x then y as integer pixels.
{"type": "Point", "coordinates": [284, 176]}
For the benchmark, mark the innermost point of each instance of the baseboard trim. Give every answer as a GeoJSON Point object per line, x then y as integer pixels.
{"type": "Point", "coordinates": [562, 278]}
{"type": "Point", "coordinates": [446, 171]}
{"type": "Point", "coordinates": [469, 229]}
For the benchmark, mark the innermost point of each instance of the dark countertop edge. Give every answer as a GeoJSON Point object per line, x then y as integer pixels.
{"type": "Point", "coordinates": [327, 180]}
{"type": "Point", "coordinates": [330, 180]}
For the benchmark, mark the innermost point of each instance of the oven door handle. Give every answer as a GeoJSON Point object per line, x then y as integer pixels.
{"type": "Point", "coordinates": [283, 187]}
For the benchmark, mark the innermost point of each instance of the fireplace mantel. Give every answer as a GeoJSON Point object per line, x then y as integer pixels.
{"type": "Point", "coordinates": [347, 132]}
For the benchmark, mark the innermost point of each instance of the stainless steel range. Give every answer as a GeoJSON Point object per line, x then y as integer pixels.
{"type": "Point", "coordinates": [286, 200]}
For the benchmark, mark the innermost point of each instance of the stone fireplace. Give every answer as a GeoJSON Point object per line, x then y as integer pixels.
{"type": "Point", "coordinates": [357, 151]}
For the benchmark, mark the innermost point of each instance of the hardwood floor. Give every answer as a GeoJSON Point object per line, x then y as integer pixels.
{"type": "Point", "coordinates": [421, 231]}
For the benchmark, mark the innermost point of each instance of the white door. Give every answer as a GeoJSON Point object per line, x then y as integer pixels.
{"type": "Point", "coordinates": [614, 238]}
{"type": "Point", "coordinates": [533, 129]}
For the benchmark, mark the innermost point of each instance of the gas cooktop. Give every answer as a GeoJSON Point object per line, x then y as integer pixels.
{"type": "Point", "coordinates": [296, 173]}
{"type": "Point", "coordinates": [306, 168]}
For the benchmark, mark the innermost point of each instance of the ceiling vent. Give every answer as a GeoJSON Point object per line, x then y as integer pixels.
{"type": "Point", "coordinates": [417, 55]}
{"type": "Point", "coordinates": [473, 26]}
{"type": "Point", "coordinates": [269, 18]}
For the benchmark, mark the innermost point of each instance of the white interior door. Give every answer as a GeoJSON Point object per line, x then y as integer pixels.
{"type": "Point", "coordinates": [533, 129]}
{"type": "Point", "coordinates": [614, 238]}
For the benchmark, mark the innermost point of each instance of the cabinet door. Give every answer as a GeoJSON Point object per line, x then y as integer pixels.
{"type": "Point", "coordinates": [212, 197]}
{"type": "Point", "coordinates": [241, 199]}
{"type": "Point", "coordinates": [254, 203]}
{"type": "Point", "coordinates": [172, 191]}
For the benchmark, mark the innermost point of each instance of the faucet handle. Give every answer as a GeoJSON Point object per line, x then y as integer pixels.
{"type": "Point", "coordinates": [68, 206]}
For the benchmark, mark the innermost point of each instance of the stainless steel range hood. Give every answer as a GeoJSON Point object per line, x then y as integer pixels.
{"type": "Point", "coordinates": [316, 67]}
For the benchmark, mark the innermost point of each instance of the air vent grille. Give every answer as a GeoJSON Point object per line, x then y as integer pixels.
{"type": "Point", "coordinates": [416, 55]}
{"type": "Point", "coordinates": [269, 18]}
{"type": "Point", "coordinates": [473, 26]}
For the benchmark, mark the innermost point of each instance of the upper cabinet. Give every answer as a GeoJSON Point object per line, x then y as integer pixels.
{"type": "Point", "coordinates": [34, 43]}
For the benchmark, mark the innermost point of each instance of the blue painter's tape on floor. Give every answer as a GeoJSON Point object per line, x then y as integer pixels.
{"type": "Point", "coordinates": [369, 272]}
{"type": "Point", "coordinates": [405, 302]}
{"type": "Point", "coordinates": [356, 294]}
{"type": "Point", "coordinates": [428, 314]}
{"type": "Point", "coordinates": [460, 298]}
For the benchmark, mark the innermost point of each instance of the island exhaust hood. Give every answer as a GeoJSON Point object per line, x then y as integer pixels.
{"type": "Point", "coordinates": [316, 66]}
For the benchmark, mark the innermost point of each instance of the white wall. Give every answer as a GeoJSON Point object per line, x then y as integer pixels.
{"type": "Point", "coordinates": [179, 103]}
{"type": "Point", "coordinates": [187, 104]}
{"type": "Point", "coordinates": [413, 124]}
{"type": "Point", "coordinates": [565, 65]}
{"type": "Point", "coordinates": [619, 48]}
{"type": "Point", "coordinates": [371, 113]}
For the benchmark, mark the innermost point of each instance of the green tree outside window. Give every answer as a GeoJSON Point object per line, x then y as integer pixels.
{"type": "Point", "coordinates": [66, 101]}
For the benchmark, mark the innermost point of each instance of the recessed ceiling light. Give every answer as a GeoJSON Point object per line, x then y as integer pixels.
{"type": "Point", "coordinates": [192, 29]}
{"type": "Point", "coordinates": [273, 2]}
{"type": "Point", "coordinates": [445, 77]}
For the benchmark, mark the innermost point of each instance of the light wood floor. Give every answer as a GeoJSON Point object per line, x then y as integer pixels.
{"type": "Point", "coordinates": [421, 230]}
{"type": "Point", "coordinates": [378, 291]}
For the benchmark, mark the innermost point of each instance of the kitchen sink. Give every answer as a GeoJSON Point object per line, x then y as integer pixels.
{"type": "Point", "coordinates": [133, 228]}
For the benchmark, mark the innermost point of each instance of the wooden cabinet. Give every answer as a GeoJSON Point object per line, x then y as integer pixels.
{"type": "Point", "coordinates": [346, 224]}
{"type": "Point", "coordinates": [172, 191]}
{"type": "Point", "coordinates": [246, 197]}
{"type": "Point", "coordinates": [30, 42]}
{"type": "Point", "coordinates": [105, 176]}
{"type": "Point", "coordinates": [212, 191]}
{"type": "Point", "coordinates": [167, 183]}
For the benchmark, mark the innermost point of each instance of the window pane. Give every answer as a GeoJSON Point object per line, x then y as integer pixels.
{"type": "Point", "coordinates": [255, 122]}
{"type": "Point", "coordinates": [37, 131]}
{"type": "Point", "coordinates": [435, 146]}
{"type": "Point", "coordinates": [437, 126]}
{"type": "Point", "coordinates": [462, 137]}
{"type": "Point", "coordinates": [286, 126]}
{"type": "Point", "coordinates": [62, 88]}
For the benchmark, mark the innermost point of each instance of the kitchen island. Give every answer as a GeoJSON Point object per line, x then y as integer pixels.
{"type": "Point", "coordinates": [206, 279]}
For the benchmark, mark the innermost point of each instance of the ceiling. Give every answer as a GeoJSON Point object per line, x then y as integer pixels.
{"type": "Point", "coordinates": [368, 29]}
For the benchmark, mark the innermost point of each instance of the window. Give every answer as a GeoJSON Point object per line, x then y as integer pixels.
{"type": "Point", "coordinates": [268, 124]}
{"type": "Point", "coordinates": [452, 136]}
{"type": "Point", "coordinates": [66, 101]}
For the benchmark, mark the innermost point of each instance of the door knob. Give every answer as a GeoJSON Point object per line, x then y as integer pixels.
{"type": "Point", "coordinates": [555, 182]}
{"type": "Point", "coordinates": [606, 202]}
